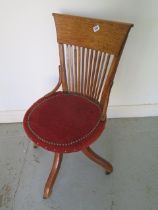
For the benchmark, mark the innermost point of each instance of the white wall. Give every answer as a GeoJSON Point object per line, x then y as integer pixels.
{"type": "Point", "coordinates": [29, 56]}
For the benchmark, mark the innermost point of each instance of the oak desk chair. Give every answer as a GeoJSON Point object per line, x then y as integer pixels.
{"type": "Point", "coordinates": [72, 119]}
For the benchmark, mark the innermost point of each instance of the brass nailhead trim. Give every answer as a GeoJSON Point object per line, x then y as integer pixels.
{"type": "Point", "coordinates": [51, 142]}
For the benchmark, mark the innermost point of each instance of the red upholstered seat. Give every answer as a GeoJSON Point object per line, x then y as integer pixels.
{"type": "Point", "coordinates": [63, 122]}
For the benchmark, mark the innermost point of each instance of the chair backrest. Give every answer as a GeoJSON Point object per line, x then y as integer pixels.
{"type": "Point", "coordinates": [89, 50]}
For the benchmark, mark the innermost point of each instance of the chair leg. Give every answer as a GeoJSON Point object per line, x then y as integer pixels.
{"type": "Point", "coordinates": [53, 174]}
{"type": "Point", "coordinates": [99, 160]}
{"type": "Point", "coordinates": [35, 146]}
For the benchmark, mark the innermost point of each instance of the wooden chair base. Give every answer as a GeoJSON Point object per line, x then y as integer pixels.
{"type": "Point", "coordinates": [35, 146]}
{"type": "Point", "coordinates": [97, 159]}
{"type": "Point", "coordinates": [53, 174]}
{"type": "Point", "coordinates": [57, 163]}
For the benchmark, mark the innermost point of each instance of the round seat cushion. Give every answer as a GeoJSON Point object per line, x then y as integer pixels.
{"type": "Point", "coordinates": [63, 122]}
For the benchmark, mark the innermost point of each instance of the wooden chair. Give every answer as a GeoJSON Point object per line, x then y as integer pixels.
{"type": "Point", "coordinates": [72, 119]}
